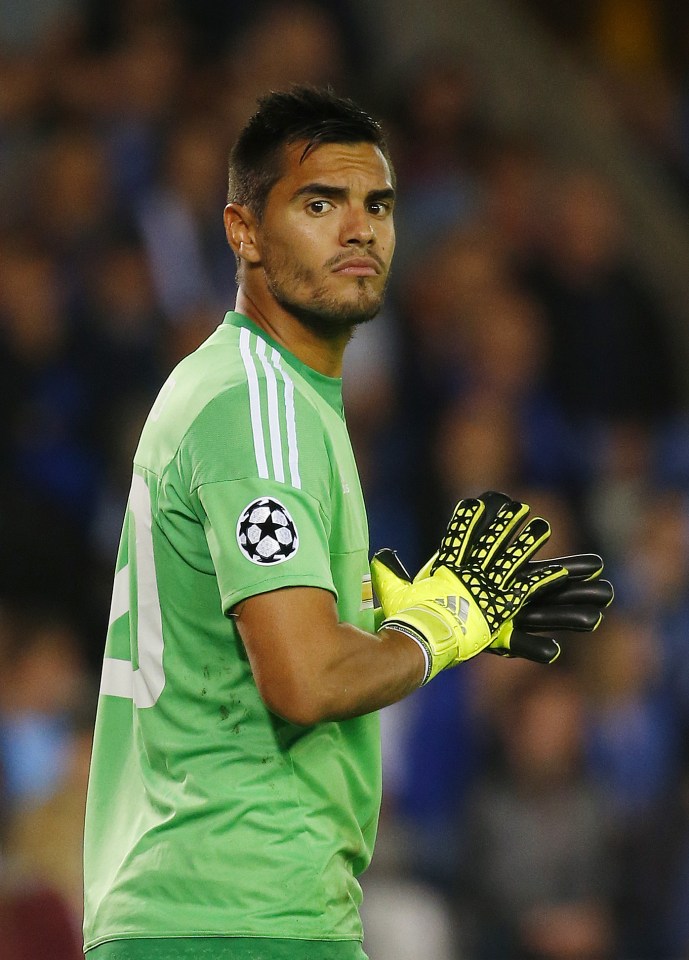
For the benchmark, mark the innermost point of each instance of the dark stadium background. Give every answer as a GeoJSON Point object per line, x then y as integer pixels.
{"type": "Point", "coordinates": [535, 339]}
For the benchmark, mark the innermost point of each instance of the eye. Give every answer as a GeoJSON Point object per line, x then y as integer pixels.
{"type": "Point", "coordinates": [318, 207]}
{"type": "Point", "coordinates": [379, 208]}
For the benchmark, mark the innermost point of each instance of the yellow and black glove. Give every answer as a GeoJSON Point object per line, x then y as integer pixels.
{"type": "Point", "coordinates": [478, 581]}
{"type": "Point", "coordinates": [574, 603]}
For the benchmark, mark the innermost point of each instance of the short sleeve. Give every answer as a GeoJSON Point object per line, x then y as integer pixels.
{"type": "Point", "coordinates": [263, 536]}
{"type": "Point", "coordinates": [266, 517]}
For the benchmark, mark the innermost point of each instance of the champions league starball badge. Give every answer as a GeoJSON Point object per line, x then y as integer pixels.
{"type": "Point", "coordinates": [266, 532]}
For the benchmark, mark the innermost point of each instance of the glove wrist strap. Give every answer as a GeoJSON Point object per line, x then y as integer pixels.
{"type": "Point", "coordinates": [418, 639]}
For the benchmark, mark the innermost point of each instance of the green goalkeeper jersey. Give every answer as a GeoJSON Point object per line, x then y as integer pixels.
{"type": "Point", "coordinates": [207, 814]}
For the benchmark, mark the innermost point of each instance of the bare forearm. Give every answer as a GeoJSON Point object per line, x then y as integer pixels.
{"type": "Point", "coordinates": [310, 668]}
{"type": "Point", "coordinates": [371, 671]}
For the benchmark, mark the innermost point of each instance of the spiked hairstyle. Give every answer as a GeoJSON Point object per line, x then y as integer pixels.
{"type": "Point", "coordinates": [302, 114]}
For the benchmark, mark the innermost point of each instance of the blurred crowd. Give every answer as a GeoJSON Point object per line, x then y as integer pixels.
{"type": "Point", "coordinates": [529, 813]}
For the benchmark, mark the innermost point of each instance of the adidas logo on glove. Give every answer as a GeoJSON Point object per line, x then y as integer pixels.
{"type": "Point", "coordinates": [458, 607]}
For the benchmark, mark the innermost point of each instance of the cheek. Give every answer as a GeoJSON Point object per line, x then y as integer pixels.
{"type": "Point", "coordinates": [388, 240]}
{"type": "Point", "coordinates": [302, 245]}
{"type": "Point", "coordinates": [288, 266]}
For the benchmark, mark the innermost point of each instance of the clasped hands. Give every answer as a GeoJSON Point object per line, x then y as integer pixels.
{"type": "Point", "coordinates": [483, 591]}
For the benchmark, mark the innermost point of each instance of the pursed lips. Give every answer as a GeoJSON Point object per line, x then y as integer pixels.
{"type": "Point", "coordinates": [358, 267]}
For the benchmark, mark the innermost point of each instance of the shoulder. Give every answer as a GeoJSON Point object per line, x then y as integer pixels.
{"type": "Point", "coordinates": [263, 423]}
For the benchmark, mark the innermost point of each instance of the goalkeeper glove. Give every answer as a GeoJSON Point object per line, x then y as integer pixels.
{"type": "Point", "coordinates": [461, 599]}
{"type": "Point", "coordinates": [574, 603]}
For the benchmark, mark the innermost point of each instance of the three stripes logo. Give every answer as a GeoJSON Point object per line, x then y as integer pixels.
{"type": "Point", "coordinates": [272, 411]}
{"type": "Point", "coordinates": [458, 607]}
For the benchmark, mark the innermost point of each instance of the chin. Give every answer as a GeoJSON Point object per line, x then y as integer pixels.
{"type": "Point", "coordinates": [332, 318]}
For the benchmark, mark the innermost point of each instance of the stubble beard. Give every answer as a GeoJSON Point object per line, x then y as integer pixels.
{"type": "Point", "coordinates": [322, 313]}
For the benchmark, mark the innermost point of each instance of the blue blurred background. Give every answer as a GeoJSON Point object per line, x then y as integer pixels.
{"type": "Point", "coordinates": [535, 340]}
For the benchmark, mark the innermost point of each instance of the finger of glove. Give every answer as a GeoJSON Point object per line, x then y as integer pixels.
{"type": "Point", "coordinates": [528, 646]}
{"type": "Point", "coordinates": [595, 592]}
{"type": "Point", "coordinates": [493, 503]}
{"type": "Point", "coordinates": [457, 541]}
{"type": "Point", "coordinates": [531, 583]}
{"type": "Point", "coordinates": [391, 560]}
{"type": "Point", "coordinates": [390, 581]}
{"type": "Point", "coordinates": [580, 566]}
{"type": "Point", "coordinates": [427, 569]}
{"type": "Point", "coordinates": [578, 617]}
{"type": "Point", "coordinates": [508, 564]}
{"type": "Point", "coordinates": [493, 541]}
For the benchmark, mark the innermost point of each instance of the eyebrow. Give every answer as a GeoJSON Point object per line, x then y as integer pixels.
{"type": "Point", "coordinates": [340, 193]}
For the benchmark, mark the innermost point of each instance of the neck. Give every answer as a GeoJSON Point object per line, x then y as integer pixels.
{"type": "Point", "coordinates": [321, 354]}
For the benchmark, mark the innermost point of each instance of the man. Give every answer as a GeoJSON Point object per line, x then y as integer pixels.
{"type": "Point", "coordinates": [235, 781]}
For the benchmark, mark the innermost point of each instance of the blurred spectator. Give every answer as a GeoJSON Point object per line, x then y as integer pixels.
{"type": "Point", "coordinates": [126, 81]}
{"type": "Point", "coordinates": [121, 333]}
{"type": "Point", "coordinates": [619, 463]}
{"type": "Point", "coordinates": [633, 739]}
{"type": "Point", "coordinates": [45, 837]}
{"type": "Point", "coordinates": [653, 585]}
{"type": "Point", "coordinates": [45, 389]}
{"type": "Point", "coordinates": [538, 859]}
{"type": "Point", "coordinates": [507, 354]}
{"type": "Point", "coordinates": [438, 139]}
{"type": "Point", "coordinates": [436, 295]}
{"type": "Point", "coordinates": [35, 921]}
{"type": "Point", "coordinates": [608, 354]}
{"type": "Point", "coordinates": [380, 441]}
{"type": "Point", "coordinates": [125, 347]}
{"type": "Point", "coordinates": [568, 22]}
{"type": "Point", "coordinates": [309, 41]}
{"type": "Point", "coordinates": [43, 680]}
{"type": "Point", "coordinates": [476, 448]}
{"type": "Point", "coordinates": [404, 920]}
{"type": "Point", "coordinates": [182, 227]}
{"type": "Point", "coordinates": [71, 203]}
{"type": "Point", "coordinates": [296, 42]}
{"type": "Point", "coordinates": [29, 26]}
{"type": "Point", "coordinates": [48, 469]}
{"type": "Point", "coordinates": [515, 186]}
{"type": "Point", "coordinates": [633, 752]}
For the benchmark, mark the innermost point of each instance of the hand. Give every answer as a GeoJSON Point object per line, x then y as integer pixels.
{"type": "Point", "coordinates": [476, 546]}
{"type": "Point", "coordinates": [478, 581]}
{"type": "Point", "coordinates": [574, 603]}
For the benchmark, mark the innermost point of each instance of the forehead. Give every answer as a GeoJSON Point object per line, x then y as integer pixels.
{"type": "Point", "coordinates": [337, 164]}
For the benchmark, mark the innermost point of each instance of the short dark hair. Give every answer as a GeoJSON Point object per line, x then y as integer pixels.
{"type": "Point", "coordinates": [302, 114]}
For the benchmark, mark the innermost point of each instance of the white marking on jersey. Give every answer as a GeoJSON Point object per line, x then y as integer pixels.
{"type": "Point", "coordinates": [120, 595]}
{"type": "Point", "coordinates": [273, 411]}
{"type": "Point", "coordinates": [291, 420]}
{"type": "Point", "coordinates": [254, 403]}
{"type": "Point", "coordinates": [119, 678]}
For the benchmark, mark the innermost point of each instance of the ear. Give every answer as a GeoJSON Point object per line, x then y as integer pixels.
{"type": "Point", "coordinates": [240, 229]}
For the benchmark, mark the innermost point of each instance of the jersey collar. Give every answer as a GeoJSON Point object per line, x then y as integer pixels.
{"type": "Point", "coordinates": [329, 388]}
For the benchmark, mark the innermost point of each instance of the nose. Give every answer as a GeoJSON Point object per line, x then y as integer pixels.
{"type": "Point", "coordinates": [358, 228]}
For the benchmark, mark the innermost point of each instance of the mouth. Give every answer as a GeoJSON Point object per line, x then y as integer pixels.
{"type": "Point", "coordinates": [358, 267]}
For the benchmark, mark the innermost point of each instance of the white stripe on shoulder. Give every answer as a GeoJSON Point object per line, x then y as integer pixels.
{"type": "Point", "coordinates": [254, 403]}
{"type": "Point", "coordinates": [291, 420]}
{"type": "Point", "coordinates": [273, 412]}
